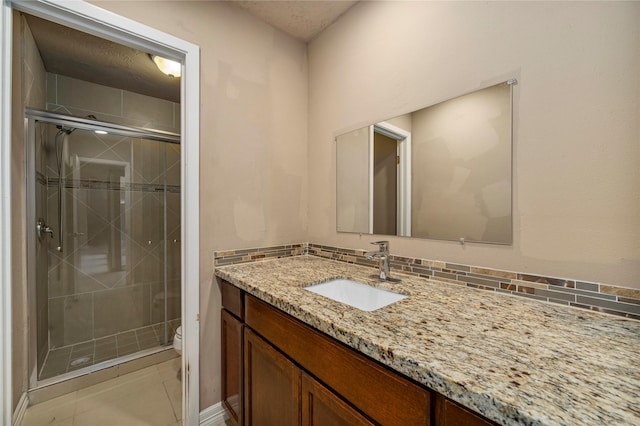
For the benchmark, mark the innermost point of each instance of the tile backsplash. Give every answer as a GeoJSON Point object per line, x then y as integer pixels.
{"type": "Point", "coordinates": [620, 301]}
{"type": "Point", "coordinates": [230, 257]}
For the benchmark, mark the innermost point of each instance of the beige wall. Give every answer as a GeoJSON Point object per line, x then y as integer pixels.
{"type": "Point", "coordinates": [253, 141]}
{"type": "Point", "coordinates": [405, 122]}
{"type": "Point", "coordinates": [576, 150]}
{"type": "Point", "coordinates": [28, 90]}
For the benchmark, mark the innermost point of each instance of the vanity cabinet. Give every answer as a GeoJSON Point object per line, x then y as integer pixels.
{"type": "Point", "coordinates": [271, 385]}
{"type": "Point", "coordinates": [277, 392]}
{"type": "Point", "coordinates": [232, 324]}
{"type": "Point", "coordinates": [295, 375]}
{"type": "Point", "coordinates": [381, 395]}
{"type": "Point", "coordinates": [448, 413]}
{"type": "Point", "coordinates": [321, 407]}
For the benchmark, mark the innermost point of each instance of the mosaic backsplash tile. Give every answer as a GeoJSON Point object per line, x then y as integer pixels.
{"type": "Point", "coordinates": [620, 301]}
{"type": "Point", "coordinates": [230, 257]}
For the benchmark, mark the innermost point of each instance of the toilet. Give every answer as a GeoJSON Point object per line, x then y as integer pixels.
{"type": "Point", "coordinates": [177, 340]}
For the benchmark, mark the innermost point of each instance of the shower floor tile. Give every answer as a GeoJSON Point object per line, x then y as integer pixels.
{"type": "Point", "coordinates": [73, 357]}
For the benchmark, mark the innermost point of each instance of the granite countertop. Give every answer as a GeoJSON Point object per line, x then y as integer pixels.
{"type": "Point", "coordinates": [513, 360]}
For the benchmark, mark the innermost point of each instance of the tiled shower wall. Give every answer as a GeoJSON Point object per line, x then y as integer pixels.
{"type": "Point", "coordinates": [68, 95]}
{"type": "Point", "coordinates": [32, 79]}
{"type": "Point", "coordinates": [619, 301]}
{"type": "Point", "coordinates": [109, 277]}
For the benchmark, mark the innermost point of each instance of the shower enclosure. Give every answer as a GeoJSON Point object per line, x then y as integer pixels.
{"type": "Point", "coordinates": [104, 242]}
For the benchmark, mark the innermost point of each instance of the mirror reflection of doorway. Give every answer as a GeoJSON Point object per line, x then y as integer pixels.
{"type": "Point", "coordinates": [385, 183]}
{"type": "Point", "coordinates": [389, 180]}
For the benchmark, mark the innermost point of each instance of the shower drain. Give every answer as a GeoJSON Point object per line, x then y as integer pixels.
{"type": "Point", "coordinates": [79, 361]}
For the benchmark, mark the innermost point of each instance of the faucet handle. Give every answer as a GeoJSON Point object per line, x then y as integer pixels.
{"type": "Point", "coordinates": [384, 245]}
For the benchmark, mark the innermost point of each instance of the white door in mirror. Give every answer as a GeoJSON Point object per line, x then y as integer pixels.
{"type": "Point", "coordinates": [358, 295]}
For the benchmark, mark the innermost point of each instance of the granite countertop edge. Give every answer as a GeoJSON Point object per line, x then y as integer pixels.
{"type": "Point", "coordinates": [279, 282]}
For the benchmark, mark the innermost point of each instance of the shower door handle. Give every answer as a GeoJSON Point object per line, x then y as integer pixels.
{"type": "Point", "coordinates": [43, 228]}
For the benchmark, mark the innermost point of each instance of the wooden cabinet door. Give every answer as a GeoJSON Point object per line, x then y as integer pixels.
{"type": "Point", "coordinates": [321, 407]}
{"type": "Point", "coordinates": [271, 385]}
{"type": "Point", "coordinates": [232, 365]}
{"type": "Point", "coordinates": [382, 395]}
{"type": "Point", "coordinates": [448, 413]}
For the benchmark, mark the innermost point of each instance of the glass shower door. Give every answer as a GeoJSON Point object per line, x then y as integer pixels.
{"type": "Point", "coordinates": [105, 291]}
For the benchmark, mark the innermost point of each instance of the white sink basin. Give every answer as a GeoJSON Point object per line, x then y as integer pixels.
{"type": "Point", "coordinates": [358, 295]}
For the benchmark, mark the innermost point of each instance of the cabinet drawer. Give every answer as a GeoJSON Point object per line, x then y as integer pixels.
{"type": "Point", "coordinates": [232, 299]}
{"type": "Point", "coordinates": [382, 395]}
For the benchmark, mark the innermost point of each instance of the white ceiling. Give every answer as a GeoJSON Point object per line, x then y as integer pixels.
{"type": "Point", "coordinates": [79, 55]}
{"type": "Point", "coordinates": [300, 19]}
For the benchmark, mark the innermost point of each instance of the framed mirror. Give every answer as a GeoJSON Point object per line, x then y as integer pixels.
{"type": "Point", "coordinates": [442, 172]}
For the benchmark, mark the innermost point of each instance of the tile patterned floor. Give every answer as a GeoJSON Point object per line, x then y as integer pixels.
{"type": "Point", "coordinates": [148, 397]}
{"type": "Point", "coordinates": [69, 358]}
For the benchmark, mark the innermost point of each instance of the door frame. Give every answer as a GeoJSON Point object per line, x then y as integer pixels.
{"type": "Point", "coordinates": [94, 20]}
{"type": "Point", "coordinates": [403, 205]}
{"type": "Point", "coordinates": [6, 399]}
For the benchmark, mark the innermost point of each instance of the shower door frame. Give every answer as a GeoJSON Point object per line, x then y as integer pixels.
{"type": "Point", "coordinates": [32, 118]}
{"type": "Point", "coordinates": [96, 21]}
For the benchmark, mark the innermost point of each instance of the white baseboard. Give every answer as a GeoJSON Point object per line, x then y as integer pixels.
{"type": "Point", "coordinates": [18, 415]}
{"type": "Point", "coordinates": [213, 415]}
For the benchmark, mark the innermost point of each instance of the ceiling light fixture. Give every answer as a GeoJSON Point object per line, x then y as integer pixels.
{"type": "Point", "coordinates": [167, 66]}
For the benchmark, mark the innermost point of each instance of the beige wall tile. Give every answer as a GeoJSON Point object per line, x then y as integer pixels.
{"type": "Point", "coordinates": [34, 74]}
{"type": "Point", "coordinates": [54, 410]}
{"type": "Point", "coordinates": [127, 386]}
{"type": "Point", "coordinates": [177, 117]}
{"type": "Point", "coordinates": [28, 89]}
{"type": "Point", "coordinates": [81, 98]}
{"type": "Point", "coordinates": [147, 361]}
{"type": "Point", "coordinates": [173, 164]}
{"type": "Point", "coordinates": [52, 88]}
{"type": "Point", "coordinates": [169, 369]}
{"type": "Point", "coordinates": [70, 319]}
{"type": "Point", "coordinates": [157, 301]}
{"type": "Point", "coordinates": [148, 161]}
{"type": "Point", "coordinates": [121, 309]}
{"type": "Point", "coordinates": [152, 405]}
{"type": "Point", "coordinates": [128, 121]}
{"type": "Point", "coordinates": [93, 149]}
{"type": "Point", "coordinates": [47, 393]}
{"type": "Point", "coordinates": [94, 98]}
{"type": "Point", "coordinates": [153, 111]}
{"type": "Point", "coordinates": [173, 387]}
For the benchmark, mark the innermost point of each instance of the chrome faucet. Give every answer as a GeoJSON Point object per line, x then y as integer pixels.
{"type": "Point", "coordinates": [383, 260]}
